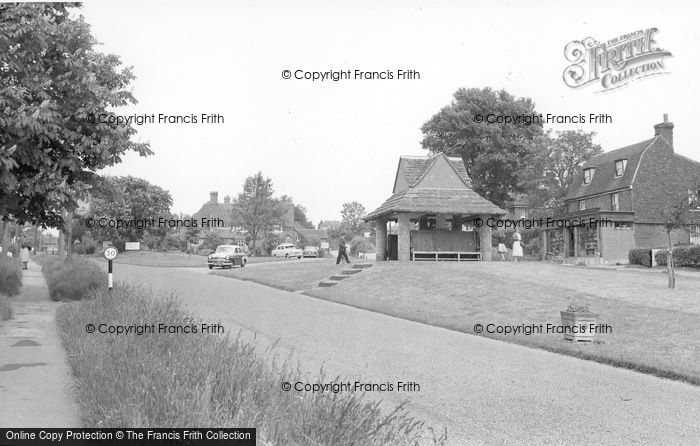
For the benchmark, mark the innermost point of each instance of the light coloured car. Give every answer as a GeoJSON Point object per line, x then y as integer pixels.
{"type": "Point", "coordinates": [227, 256]}
{"type": "Point", "coordinates": [310, 251]}
{"type": "Point", "coordinates": [287, 250]}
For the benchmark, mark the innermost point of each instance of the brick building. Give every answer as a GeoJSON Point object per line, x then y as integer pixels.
{"type": "Point", "coordinates": [433, 213]}
{"type": "Point", "coordinates": [627, 190]}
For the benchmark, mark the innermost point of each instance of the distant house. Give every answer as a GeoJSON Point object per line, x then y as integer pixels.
{"type": "Point", "coordinates": [518, 208]}
{"type": "Point", "coordinates": [433, 213]}
{"type": "Point", "coordinates": [214, 209]}
{"type": "Point", "coordinates": [329, 225]}
{"type": "Point", "coordinates": [312, 237]}
{"type": "Point", "coordinates": [626, 190]}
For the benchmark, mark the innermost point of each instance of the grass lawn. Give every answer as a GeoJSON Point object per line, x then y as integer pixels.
{"type": "Point", "coordinates": [289, 275]}
{"type": "Point", "coordinates": [654, 329]}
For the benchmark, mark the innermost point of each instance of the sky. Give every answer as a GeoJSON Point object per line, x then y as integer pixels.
{"type": "Point", "coordinates": [327, 143]}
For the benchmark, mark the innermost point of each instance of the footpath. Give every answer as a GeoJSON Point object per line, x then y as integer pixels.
{"type": "Point", "coordinates": [35, 380]}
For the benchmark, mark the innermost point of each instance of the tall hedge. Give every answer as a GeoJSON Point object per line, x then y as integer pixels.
{"type": "Point", "coordinates": [640, 257]}
{"type": "Point", "coordinates": [682, 256]}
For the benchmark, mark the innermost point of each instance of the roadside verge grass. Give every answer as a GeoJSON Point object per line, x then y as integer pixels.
{"type": "Point", "coordinates": [651, 329]}
{"type": "Point", "coordinates": [10, 276]}
{"type": "Point", "coordinates": [201, 380]}
{"type": "Point", "coordinates": [73, 278]}
{"type": "Point", "coordinates": [288, 275]}
{"type": "Point", "coordinates": [5, 309]}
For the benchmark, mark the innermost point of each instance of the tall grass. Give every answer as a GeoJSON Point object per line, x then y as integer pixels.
{"type": "Point", "coordinates": [10, 275]}
{"type": "Point", "coordinates": [72, 278]}
{"type": "Point", "coordinates": [5, 309]}
{"type": "Point", "coordinates": [198, 380]}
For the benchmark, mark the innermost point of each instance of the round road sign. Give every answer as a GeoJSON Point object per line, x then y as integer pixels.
{"type": "Point", "coordinates": [110, 253]}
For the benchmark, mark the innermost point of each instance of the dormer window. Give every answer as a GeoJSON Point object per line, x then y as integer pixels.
{"type": "Point", "coordinates": [588, 175]}
{"type": "Point", "coordinates": [694, 199]}
{"type": "Point", "coordinates": [620, 166]}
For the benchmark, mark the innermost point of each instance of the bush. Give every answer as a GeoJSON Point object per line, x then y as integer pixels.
{"type": "Point", "coordinates": [72, 278]}
{"type": "Point", "coordinates": [682, 256]}
{"type": "Point", "coordinates": [5, 309]}
{"type": "Point", "coordinates": [10, 275]}
{"type": "Point", "coordinates": [198, 380]}
{"type": "Point", "coordinates": [640, 257]}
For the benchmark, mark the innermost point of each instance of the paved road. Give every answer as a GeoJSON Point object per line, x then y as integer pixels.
{"type": "Point", "coordinates": [483, 391]}
{"type": "Point", "coordinates": [35, 380]}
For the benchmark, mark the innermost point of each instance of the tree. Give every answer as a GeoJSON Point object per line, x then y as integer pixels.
{"type": "Point", "coordinates": [300, 217]}
{"type": "Point", "coordinates": [53, 88]}
{"type": "Point", "coordinates": [128, 199]}
{"type": "Point", "coordinates": [493, 153]}
{"type": "Point", "coordinates": [554, 164]}
{"type": "Point", "coordinates": [676, 216]}
{"type": "Point", "coordinates": [352, 214]}
{"type": "Point", "coordinates": [255, 209]}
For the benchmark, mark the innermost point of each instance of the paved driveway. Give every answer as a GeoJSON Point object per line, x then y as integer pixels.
{"type": "Point", "coordinates": [483, 390]}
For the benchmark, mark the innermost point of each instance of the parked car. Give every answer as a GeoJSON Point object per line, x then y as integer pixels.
{"type": "Point", "coordinates": [227, 256]}
{"type": "Point", "coordinates": [310, 251]}
{"type": "Point", "coordinates": [287, 250]}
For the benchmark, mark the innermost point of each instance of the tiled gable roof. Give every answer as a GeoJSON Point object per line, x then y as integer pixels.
{"type": "Point", "coordinates": [604, 178]}
{"type": "Point", "coordinates": [437, 201]}
{"type": "Point", "coordinates": [415, 167]}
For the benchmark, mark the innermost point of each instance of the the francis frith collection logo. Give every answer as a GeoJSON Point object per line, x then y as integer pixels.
{"type": "Point", "coordinates": [615, 63]}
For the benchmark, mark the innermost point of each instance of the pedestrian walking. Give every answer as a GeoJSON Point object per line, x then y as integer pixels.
{"type": "Point", "coordinates": [502, 248]}
{"type": "Point", "coordinates": [517, 246]}
{"type": "Point", "coordinates": [342, 251]}
{"type": "Point", "coordinates": [24, 256]}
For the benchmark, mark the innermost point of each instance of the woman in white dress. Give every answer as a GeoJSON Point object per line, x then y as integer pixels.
{"type": "Point", "coordinates": [517, 246]}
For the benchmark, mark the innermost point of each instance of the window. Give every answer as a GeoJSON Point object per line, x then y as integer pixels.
{"type": "Point", "coordinates": [588, 175]}
{"type": "Point", "coordinates": [615, 201]}
{"type": "Point", "coordinates": [620, 166]}
{"type": "Point", "coordinates": [623, 225]}
{"type": "Point", "coordinates": [582, 205]}
{"type": "Point", "coordinates": [695, 234]}
{"type": "Point", "coordinates": [694, 200]}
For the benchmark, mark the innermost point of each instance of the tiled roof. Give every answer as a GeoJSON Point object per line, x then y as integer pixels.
{"type": "Point", "coordinates": [416, 167]}
{"type": "Point", "coordinates": [604, 179]}
{"type": "Point", "coordinates": [437, 201]}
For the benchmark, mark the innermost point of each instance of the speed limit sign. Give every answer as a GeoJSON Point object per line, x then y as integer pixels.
{"type": "Point", "coordinates": [111, 253]}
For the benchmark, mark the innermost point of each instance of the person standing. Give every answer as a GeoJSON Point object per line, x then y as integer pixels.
{"type": "Point", "coordinates": [24, 256]}
{"type": "Point", "coordinates": [502, 248]}
{"type": "Point", "coordinates": [517, 247]}
{"type": "Point", "coordinates": [342, 251]}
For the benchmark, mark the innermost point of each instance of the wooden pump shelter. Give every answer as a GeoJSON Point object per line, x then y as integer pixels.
{"type": "Point", "coordinates": [434, 214]}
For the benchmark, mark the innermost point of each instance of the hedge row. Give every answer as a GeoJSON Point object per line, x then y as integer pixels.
{"type": "Point", "coordinates": [72, 278]}
{"type": "Point", "coordinates": [10, 275]}
{"type": "Point", "coordinates": [640, 257]}
{"type": "Point", "coordinates": [682, 256]}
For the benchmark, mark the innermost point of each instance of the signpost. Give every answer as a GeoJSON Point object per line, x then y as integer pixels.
{"type": "Point", "coordinates": [110, 254]}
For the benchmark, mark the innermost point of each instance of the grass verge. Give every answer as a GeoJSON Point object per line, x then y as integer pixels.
{"type": "Point", "coordinates": [198, 380]}
{"type": "Point", "coordinates": [5, 309]}
{"type": "Point", "coordinates": [10, 275]}
{"type": "Point", "coordinates": [288, 275]}
{"type": "Point", "coordinates": [652, 329]}
{"type": "Point", "coordinates": [73, 278]}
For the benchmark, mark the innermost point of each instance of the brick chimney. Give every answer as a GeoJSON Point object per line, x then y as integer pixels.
{"type": "Point", "coordinates": [227, 199]}
{"type": "Point", "coordinates": [665, 129]}
{"type": "Point", "coordinates": [213, 197]}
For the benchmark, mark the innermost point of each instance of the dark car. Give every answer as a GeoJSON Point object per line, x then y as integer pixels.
{"type": "Point", "coordinates": [227, 256]}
